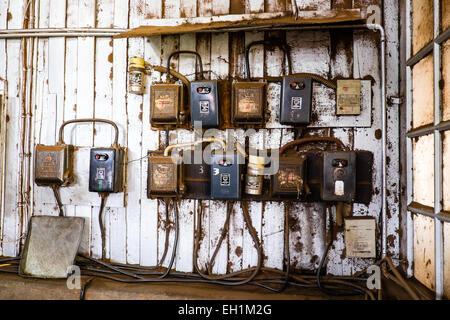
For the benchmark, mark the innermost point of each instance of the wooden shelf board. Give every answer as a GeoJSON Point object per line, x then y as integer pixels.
{"type": "Point", "coordinates": [241, 22]}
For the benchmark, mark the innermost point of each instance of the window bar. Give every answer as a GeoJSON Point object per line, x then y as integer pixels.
{"type": "Point", "coordinates": [409, 155]}
{"type": "Point", "coordinates": [438, 227]}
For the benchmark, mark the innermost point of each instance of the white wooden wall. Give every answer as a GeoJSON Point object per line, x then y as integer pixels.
{"type": "Point", "coordinates": [87, 77]}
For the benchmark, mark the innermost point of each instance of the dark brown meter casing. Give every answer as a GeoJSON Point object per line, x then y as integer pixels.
{"type": "Point", "coordinates": [290, 180]}
{"type": "Point", "coordinates": [53, 165]}
{"type": "Point", "coordinates": [166, 103]}
{"type": "Point", "coordinates": [249, 97]}
{"type": "Point", "coordinates": [163, 176]}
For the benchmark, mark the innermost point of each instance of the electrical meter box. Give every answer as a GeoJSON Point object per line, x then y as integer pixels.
{"type": "Point", "coordinates": [348, 99]}
{"type": "Point", "coordinates": [296, 93]}
{"type": "Point", "coordinates": [197, 176]}
{"type": "Point", "coordinates": [339, 176]}
{"type": "Point", "coordinates": [163, 176]}
{"type": "Point", "coordinates": [248, 99]}
{"type": "Point", "coordinates": [205, 103]}
{"type": "Point", "coordinates": [53, 165]}
{"type": "Point", "coordinates": [360, 235]}
{"type": "Point", "coordinates": [226, 176]}
{"type": "Point", "coordinates": [106, 170]}
{"type": "Point", "coordinates": [166, 104]}
{"type": "Point", "coordinates": [290, 180]}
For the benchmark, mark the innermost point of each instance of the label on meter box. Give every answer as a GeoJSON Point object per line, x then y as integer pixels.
{"type": "Point", "coordinates": [204, 106]}
{"type": "Point", "coordinates": [296, 103]}
{"type": "Point", "coordinates": [225, 179]}
{"type": "Point", "coordinates": [339, 188]}
{"type": "Point", "coordinates": [101, 173]}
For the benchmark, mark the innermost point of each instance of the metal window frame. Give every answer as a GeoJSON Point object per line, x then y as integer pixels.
{"type": "Point", "coordinates": [437, 128]}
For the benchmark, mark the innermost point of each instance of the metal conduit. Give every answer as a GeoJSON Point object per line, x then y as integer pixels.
{"type": "Point", "coordinates": [59, 32]}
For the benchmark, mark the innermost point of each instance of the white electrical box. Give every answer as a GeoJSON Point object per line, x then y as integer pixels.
{"type": "Point", "coordinates": [348, 97]}
{"type": "Point", "coordinates": [360, 237]}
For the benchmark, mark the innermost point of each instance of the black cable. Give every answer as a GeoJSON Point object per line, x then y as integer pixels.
{"type": "Point", "coordinates": [175, 244]}
{"type": "Point", "coordinates": [84, 287]}
{"type": "Point", "coordinates": [58, 199]}
{"type": "Point", "coordinates": [107, 265]}
{"type": "Point", "coordinates": [103, 196]}
{"type": "Point", "coordinates": [324, 256]}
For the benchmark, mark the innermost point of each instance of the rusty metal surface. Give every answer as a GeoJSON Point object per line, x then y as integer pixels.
{"type": "Point", "coordinates": [51, 246]}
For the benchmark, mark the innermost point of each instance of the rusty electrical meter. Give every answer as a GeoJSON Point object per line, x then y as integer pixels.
{"type": "Point", "coordinates": [165, 175]}
{"type": "Point", "coordinates": [290, 180]}
{"type": "Point", "coordinates": [167, 102]}
{"type": "Point", "coordinates": [53, 165]}
{"type": "Point", "coordinates": [248, 97]}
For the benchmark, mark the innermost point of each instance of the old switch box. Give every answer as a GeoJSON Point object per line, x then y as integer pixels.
{"type": "Point", "coordinates": [162, 176]}
{"type": "Point", "coordinates": [290, 179]}
{"type": "Point", "coordinates": [225, 176]}
{"type": "Point", "coordinates": [166, 104]}
{"type": "Point", "coordinates": [248, 99]}
{"type": "Point", "coordinates": [360, 237]}
{"type": "Point", "coordinates": [106, 170]}
{"type": "Point", "coordinates": [205, 103]}
{"type": "Point", "coordinates": [348, 97]}
{"type": "Point", "coordinates": [197, 175]}
{"type": "Point", "coordinates": [53, 165]}
{"type": "Point", "coordinates": [339, 176]}
{"type": "Point", "coordinates": [296, 95]}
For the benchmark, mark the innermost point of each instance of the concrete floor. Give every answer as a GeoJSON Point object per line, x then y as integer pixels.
{"type": "Point", "coordinates": [14, 287]}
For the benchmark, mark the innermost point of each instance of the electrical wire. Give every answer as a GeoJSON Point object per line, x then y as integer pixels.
{"type": "Point", "coordinates": [84, 287]}
{"type": "Point", "coordinates": [55, 189]}
{"type": "Point", "coordinates": [175, 244]}
{"type": "Point", "coordinates": [252, 231]}
{"type": "Point", "coordinates": [103, 196]}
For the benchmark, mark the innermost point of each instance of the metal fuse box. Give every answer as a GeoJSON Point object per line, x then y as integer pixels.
{"type": "Point", "coordinates": [166, 103]}
{"type": "Point", "coordinates": [205, 103]}
{"type": "Point", "coordinates": [248, 99]}
{"type": "Point", "coordinates": [197, 177]}
{"type": "Point", "coordinates": [225, 176]}
{"type": "Point", "coordinates": [53, 165]}
{"type": "Point", "coordinates": [296, 97]}
{"type": "Point", "coordinates": [360, 237]}
{"type": "Point", "coordinates": [290, 180]}
{"type": "Point", "coordinates": [348, 97]}
{"type": "Point", "coordinates": [105, 170]}
{"type": "Point", "coordinates": [162, 176]}
{"type": "Point", "coordinates": [339, 176]}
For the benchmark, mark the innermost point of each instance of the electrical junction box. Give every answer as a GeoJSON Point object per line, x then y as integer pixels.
{"type": "Point", "coordinates": [226, 176]}
{"type": "Point", "coordinates": [339, 176]}
{"type": "Point", "coordinates": [166, 103]}
{"type": "Point", "coordinates": [248, 99]}
{"type": "Point", "coordinates": [296, 93]}
{"type": "Point", "coordinates": [290, 180]}
{"type": "Point", "coordinates": [196, 175]}
{"type": "Point", "coordinates": [360, 237]}
{"type": "Point", "coordinates": [106, 170]}
{"type": "Point", "coordinates": [348, 97]}
{"type": "Point", "coordinates": [162, 176]}
{"type": "Point", "coordinates": [53, 165]}
{"type": "Point", "coordinates": [205, 103]}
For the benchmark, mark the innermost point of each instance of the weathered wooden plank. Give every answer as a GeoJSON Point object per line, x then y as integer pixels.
{"type": "Point", "coordinates": [150, 141]}
{"type": "Point", "coordinates": [187, 66]}
{"type": "Point", "coordinates": [11, 218]}
{"type": "Point", "coordinates": [117, 220]}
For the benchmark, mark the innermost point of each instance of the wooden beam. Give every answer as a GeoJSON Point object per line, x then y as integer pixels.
{"type": "Point", "coordinates": [236, 22]}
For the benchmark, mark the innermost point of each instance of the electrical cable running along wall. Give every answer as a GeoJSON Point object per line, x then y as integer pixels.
{"type": "Point", "coordinates": [95, 85]}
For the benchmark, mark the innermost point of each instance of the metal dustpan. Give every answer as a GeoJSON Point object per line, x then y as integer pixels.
{"type": "Point", "coordinates": [51, 246]}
